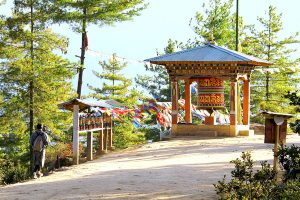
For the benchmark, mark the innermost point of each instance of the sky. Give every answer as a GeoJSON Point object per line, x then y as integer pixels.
{"type": "Point", "coordinates": [139, 39]}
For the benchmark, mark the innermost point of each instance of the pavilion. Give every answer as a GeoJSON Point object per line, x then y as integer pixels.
{"type": "Point", "coordinates": [210, 65]}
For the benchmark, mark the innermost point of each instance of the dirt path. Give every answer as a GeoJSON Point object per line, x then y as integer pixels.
{"type": "Point", "coordinates": [175, 169]}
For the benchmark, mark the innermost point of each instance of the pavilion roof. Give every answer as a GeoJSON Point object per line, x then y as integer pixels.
{"type": "Point", "coordinates": [208, 54]}
{"type": "Point", "coordinates": [84, 104]}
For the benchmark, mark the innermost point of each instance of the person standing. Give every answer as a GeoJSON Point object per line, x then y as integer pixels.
{"type": "Point", "coordinates": [38, 142]}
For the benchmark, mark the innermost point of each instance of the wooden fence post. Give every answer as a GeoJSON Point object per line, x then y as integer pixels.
{"type": "Point", "coordinates": [75, 135]}
{"type": "Point", "coordinates": [89, 146]}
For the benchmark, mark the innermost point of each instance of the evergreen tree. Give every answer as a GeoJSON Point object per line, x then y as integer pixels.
{"type": "Point", "coordinates": [33, 79]}
{"type": "Point", "coordinates": [158, 84]}
{"type": "Point", "coordinates": [266, 44]}
{"type": "Point", "coordinates": [117, 86]}
{"type": "Point", "coordinates": [79, 14]}
{"type": "Point", "coordinates": [294, 98]}
{"type": "Point", "coordinates": [216, 24]}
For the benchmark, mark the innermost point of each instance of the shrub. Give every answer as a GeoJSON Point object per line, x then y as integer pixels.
{"type": "Point", "coordinates": [289, 160]}
{"type": "Point", "coordinates": [12, 171]}
{"type": "Point", "coordinates": [289, 190]}
{"type": "Point", "coordinates": [245, 183]}
{"type": "Point", "coordinates": [151, 133]}
{"type": "Point", "coordinates": [124, 136]}
{"type": "Point", "coordinates": [59, 155]}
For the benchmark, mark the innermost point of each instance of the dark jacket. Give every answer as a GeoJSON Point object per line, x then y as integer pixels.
{"type": "Point", "coordinates": [39, 157]}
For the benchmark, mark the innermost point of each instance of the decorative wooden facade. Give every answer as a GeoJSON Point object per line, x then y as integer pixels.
{"type": "Point", "coordinates": [210, 62]}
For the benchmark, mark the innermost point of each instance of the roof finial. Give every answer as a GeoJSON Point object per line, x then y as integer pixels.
{"type": "Point", "coordinates": [211, 39]}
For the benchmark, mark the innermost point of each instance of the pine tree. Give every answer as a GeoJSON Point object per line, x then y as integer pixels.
{"type": "Point", "coordinates": [217, 24]}
{"type": "Point", "coordinates": [79, 14]}
{"type": "Point", "coordinates": [43, 73]}
{"type": "Point", "coordinates": [117, 86]}
{"type": "Point", "coordinates": [33, 79]}
{"type": "Point", "coordinates": [266, 44]}
{"type": "Point", "coordinates": [158, 84]}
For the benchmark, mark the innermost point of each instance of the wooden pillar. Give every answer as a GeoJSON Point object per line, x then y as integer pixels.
{"type": "Point", "coordinates": [105, 133]}
{"type": "Point", "coordinates": [110, 133]}
{"type": "Point", "coordinates": [75, 134]}
{"type": "Point", "coordinates": [246, 103]}
{"type": "Point", "coordinates": [174, 94]}
{"type": "Point", "coordinates": [105, 139]}
{"type": "Point", "coordinates": [101, 141]}
{"type": "Point", "coordinates": [276, 144]}
{"type": "Point", "coordinates": [279, 120]}
{"type": "Point", "coordinates": [233, 102]}
{"type": "Point", "coordinates": [89, 145]}
{"type": "Point", "coordinates": [101, 136]}
{"type": "Point", "coordinates": [187, 91]}
{"type": "Point", "coordinates": [239, 107]}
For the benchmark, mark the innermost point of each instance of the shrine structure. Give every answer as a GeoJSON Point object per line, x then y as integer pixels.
{"type": "Point", "coordinates": [86, 121]}
{"type": "Point", "coordinates": [210, 65]}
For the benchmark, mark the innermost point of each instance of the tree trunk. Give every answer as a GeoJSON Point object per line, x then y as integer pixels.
{"type": "Point", "coordinates": [82, 56]}
{"type": "Point", "coordinates": [31, 84]}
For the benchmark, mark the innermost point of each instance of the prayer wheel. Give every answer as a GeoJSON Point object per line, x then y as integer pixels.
{"type": "Point", "coordinates": [210, 93]}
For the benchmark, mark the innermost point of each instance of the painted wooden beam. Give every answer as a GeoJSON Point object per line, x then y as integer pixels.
{"type": "Point", "coordinates": [246, 103]}
{"type": "Point", "coordinates": [188, 117]}
{"type": "Point", "coordinates": [233, 103]}
{"type": "Point", "coordinates": [174, 86]}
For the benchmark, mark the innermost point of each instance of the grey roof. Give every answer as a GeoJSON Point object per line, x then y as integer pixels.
{"type": "Point", "coordinates": [272, 114]}
{"type": "Point", "coordinates": [83, 104]}
{"type": "Point", "coordinates": [114, 103]}
{"type": "Point", "coordinates": [208, 53]}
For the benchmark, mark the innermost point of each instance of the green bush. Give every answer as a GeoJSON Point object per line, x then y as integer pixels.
{"type": "Point", "coordinates": [289, 160]}
{"type": "Point", "coordinates": [245, 183]}
{"type": "Point", "coordinates": [124, 136]}
{"type": "Point", "coordinates": [295, 126]}
{"type": "Point", "coordinates": [13, 172]}
{"type": "Point", "coordinates": [289, 190]}
{"type": "Point", "coordinates": [151, 133]}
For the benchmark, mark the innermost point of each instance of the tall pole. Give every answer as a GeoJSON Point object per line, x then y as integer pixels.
{"type": "Point", "coordinates": [275, 165]}
{"type": "Point", "coordinates": [237, 26]}
{"type": "Point", "coordinates": [239, 111]}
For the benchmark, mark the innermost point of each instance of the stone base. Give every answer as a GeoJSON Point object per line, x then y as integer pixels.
{"type": "Point", "coordinates": [209, 130]}
{"type": "Point", "coordinates": [199, 134]}
{"type": "Point", "coordinates": [210, 120]}
{"type": "Point", "coordinates": [246, 132]}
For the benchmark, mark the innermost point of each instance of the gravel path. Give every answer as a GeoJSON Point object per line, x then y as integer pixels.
{"type": "Point", "coordinates": [181, 168]}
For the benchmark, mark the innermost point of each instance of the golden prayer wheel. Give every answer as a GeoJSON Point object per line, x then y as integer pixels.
{"type": "Point", "coordinates": [210, 93]}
